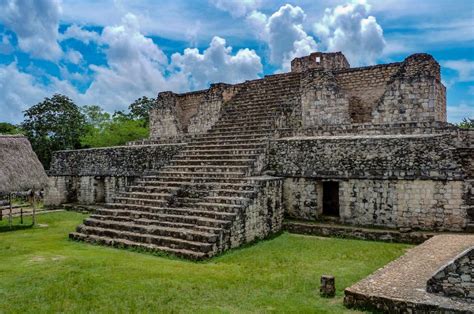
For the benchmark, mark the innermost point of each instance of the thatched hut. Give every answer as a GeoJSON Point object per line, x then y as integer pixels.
{"type": "Point", "coordinates": [20, 169]}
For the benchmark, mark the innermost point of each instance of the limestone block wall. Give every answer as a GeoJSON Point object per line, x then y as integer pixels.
{"type": "Point", "coordinates": [302, 198]}
{"type": "Point", "coordinates": [414, 93]}
{"type": "Point", "coordinates": [364, 87]}
{"type": "Point", "coordinates": [368, 156]}
{"type": "Point", "coordinates": [416, 181]}
{"type": "Point", "coordinates": [176, 115]}
{"type": "Point", "coordinates": [455, 279]}
{"type": "Point", "coordinates": [90, 176]}
{"type": "Point", "coordinates": [263, 216]}
{"type": "Point", "coordinates": [319, 60]}
{"type": "Point", "coordinates": [418, 204]}
{"type": "Point", "coordinates": [164, 121]}
{"type": "Point", "coordinates": [322, 100]}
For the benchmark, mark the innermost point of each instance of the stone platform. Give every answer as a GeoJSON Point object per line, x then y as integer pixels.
{"type": "Point", "coordinates": [327, 229]}
{"type": "Point", "coordinates": [400, 286]}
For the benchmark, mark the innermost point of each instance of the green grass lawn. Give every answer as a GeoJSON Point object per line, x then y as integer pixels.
{"type": "Point", "coordinates": [42, 271]}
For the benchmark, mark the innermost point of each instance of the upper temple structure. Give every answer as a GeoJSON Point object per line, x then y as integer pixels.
{"type": "Point", "coordinates": [367, 146]}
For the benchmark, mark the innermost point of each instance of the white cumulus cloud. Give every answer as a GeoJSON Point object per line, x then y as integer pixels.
{"type": "Point", "coordinates": [20, 90]}
{"type": "Point", "coordinates": [349, 28]}
{"type": "Point", "coordinates": [463, 67]}
{"type": "Point", "coordinates": [284, 33]}
{"type": "Point", "coordinates": [237, 8]}
{"type": "Point", "coordinates": [76, 32]}
{"type": "Point", "coordinates": [35, 22]}
{"type": "Point", "coordinates": [216, 64]}
{"type": "Point", "coordinates": [73, 56]}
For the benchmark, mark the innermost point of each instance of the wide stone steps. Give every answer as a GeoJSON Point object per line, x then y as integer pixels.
{"type": "Point", "coordinates": [145, 195]}
{"type": "Point", "coordinates": [198, 212]}
{"type": "Point", "coordinates": [214, 142]}
{"type": "Point", "coordinates": [160, 223]}
{"type": "Point", "coordinates": [247, 118]}
{"type": "Point", "coordinates": [200, 156]}
{"type": "Point", "coordinates": [213, 162]}
{"type": "Point", "coordinates": [189, 206]}
{"type": "Point", "coordinates": [153, 189]}
{"type": "Point", "coordinates": [173, 181]}
{"type": "Point", "coordinates": [235, 130]}
{"type": "Point", "coordinates": [130, 226]}
{"type": "Point", "coordinates": [220, 138]}
{"type": "Point", "coordinates": [229, 200]}
{"type": "Point", "coordinates": [123, 243]}
{"type": "Point", "coordinates": [197, 221]}
{"type": "Point", "coordinates": [239, 127]}
{"type": "Point", "coordinates": [238, 109]}
{"type": "Point", "coordinates": [226, 146]}
{"type": "Point", "coordinates": [188, 175]}
{"type": "Point", "coordinates": [162, 241]}
{"type": "Point", "coordinates": [232, 193]}
{"type": "Point", "coordinates": [224, 153]}
{"type": "Point", "coordinates": [212, 169]}
{"type": "Point", "coordinates": [209, 205]}
{"type": "Point", "coordinates": [140, 201]}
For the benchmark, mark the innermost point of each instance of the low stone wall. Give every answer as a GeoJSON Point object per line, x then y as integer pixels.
{"type": "Point", "coordinates": [368, 157]}
{"type": "Point", "coordinates": [348, 232]}
{"type": "Point", "coordinates": [263, 217]}
{"type": "Point", "coordinates": [89, 176]}
{"type": "Point", "coordinates": [455, 279]}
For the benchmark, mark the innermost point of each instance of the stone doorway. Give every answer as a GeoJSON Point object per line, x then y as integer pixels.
{"type": "Point", "coordinates": [331, 198]}
{"type": "Point", "coordinates": [99, 189]}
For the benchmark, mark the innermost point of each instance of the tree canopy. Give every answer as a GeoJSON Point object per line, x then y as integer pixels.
{"type": "Point", "coordinates": [56, 123]}
{"type": "Point", "coordinates": [8, 128]}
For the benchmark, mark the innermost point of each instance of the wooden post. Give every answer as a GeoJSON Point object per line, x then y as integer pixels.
{"type": "Point", "coordinates": [10, 218]}
{"type": "Point", "coordinates": [34, 209]}
{"type": "Point", "coordinates": [21, 215]}
{"type": "Point", "coordinates": [328, 287]}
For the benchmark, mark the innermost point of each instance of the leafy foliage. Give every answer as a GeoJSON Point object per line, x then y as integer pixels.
{"type": "Point", "coordinates": [56, 123]}
{"type": "Point", "coordinates": [8, 128]}
{"type": "Point", "coordinates": [105, 131]}
{"type": "Point", "coordinates": [467, 123]}
{"type": "Point", "coordinates": [140, 109]}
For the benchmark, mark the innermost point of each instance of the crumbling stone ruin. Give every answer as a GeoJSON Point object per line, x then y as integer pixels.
{"type": "Point", "coordinates": [366, 146]}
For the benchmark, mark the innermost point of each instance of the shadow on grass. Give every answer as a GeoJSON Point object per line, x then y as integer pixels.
{"type": "Point", "coordinates": [7, 228]}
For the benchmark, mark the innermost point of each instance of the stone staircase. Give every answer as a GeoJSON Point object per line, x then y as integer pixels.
{"type": "Point", "coordinates": [205, 201]}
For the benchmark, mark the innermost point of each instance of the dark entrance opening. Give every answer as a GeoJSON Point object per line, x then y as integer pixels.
{"type": "Point", "coordinates": [331, 198]}
{"type": "Point", "coordinates": [99, 189]}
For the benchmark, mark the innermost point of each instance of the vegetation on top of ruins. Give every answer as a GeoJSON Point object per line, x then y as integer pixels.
{"type": "Point", "coordinates": [42, 271]}
{"type": "Point", "coordinates": [466, 123]}
{"type": "Point", "coordinates": [8, 128]}
{"type": "Point", "coordinates": [113, 131]}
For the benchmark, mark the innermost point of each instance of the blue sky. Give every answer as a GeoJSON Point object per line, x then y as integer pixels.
{"type": "Point", "coordinates": [112, 52]}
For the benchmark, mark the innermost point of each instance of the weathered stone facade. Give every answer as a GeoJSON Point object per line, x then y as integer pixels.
{"type": "Point", "coordinates": [363, 146]}
{"type": "Point", "coordinates": [455, 279]}
{"type": "Point", "coordinates": [90, 176]}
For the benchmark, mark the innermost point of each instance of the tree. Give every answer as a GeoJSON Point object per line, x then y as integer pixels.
{"type": "Point", "coordinates": [140, 108]}
{"type": "Point", "coordinates": [56, 123]}
{"type": "Point", "coordinates": [8, 128]}
{"type": "Point", "coordinates": [95, 116]}
{"type": "Point", "coordinates": [467, 123]}
{"type": "Point", "coordinates": [117, 131]}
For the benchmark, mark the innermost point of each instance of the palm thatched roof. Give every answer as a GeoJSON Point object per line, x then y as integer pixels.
{"type": "Point", "coordinates": [20, 169]}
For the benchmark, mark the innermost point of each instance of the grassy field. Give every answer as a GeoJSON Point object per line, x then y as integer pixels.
{"type": "Point", "coordinates": [42, 271]}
